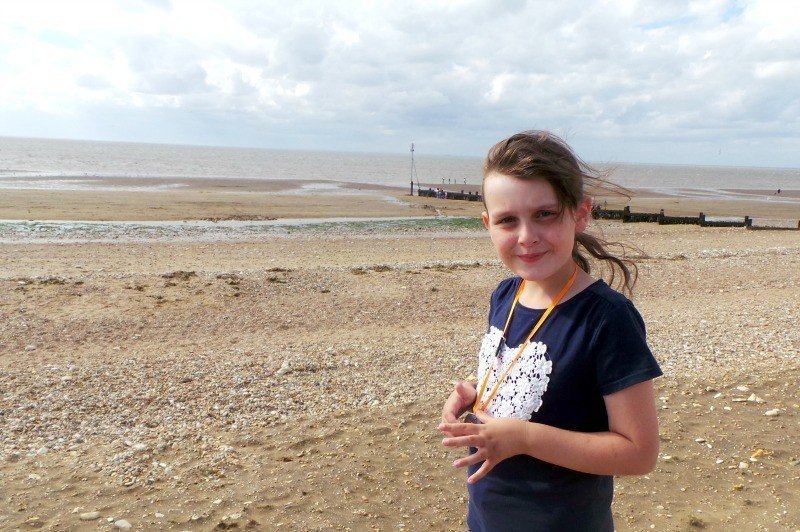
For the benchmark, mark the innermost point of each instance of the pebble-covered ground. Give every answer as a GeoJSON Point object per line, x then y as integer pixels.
{"type": "Point", "coordinates": [295, 382]}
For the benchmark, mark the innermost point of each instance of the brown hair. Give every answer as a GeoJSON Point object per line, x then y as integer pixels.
{"type": "Point", "coordinates": [540, 154]}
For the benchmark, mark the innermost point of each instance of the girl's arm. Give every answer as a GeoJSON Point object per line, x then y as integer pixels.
{"type": "Point", "coordinates": [630, 447]}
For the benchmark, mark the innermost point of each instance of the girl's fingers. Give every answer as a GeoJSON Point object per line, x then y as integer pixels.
{"type": "Point", "coordinates": [469, 460]}
{"type": "Point", "coordinates": [459, 429]}
{"type": "Point", "coordinates": [481, 472]}
{"type": "Point", "coordinates": [472, 440]}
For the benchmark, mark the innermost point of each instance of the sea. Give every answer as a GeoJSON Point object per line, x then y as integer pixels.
{"type": "Point", "coordinates": [25, 161]}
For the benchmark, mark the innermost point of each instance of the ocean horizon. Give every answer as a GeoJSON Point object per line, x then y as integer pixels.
{"type": "Point", "coordinates": [22, 158]}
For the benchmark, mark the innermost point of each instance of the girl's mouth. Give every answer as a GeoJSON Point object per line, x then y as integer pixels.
{"type": "Point", "coordinates": [531, 257]}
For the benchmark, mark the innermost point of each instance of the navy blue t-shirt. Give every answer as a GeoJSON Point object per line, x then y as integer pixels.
{"type": "Point", "coordinates": [591, 345]}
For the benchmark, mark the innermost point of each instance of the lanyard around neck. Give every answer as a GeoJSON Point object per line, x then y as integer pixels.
{"type": "Point", "coordinates": [481, 405]}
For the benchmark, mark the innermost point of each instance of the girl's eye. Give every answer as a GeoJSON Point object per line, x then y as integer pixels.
{"type": "Point", "coordinates": [546, 214]}
{"type": "Point", "coordinates": [507, 219]}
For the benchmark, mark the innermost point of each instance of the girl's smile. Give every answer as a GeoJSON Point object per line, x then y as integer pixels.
{"type": "Point", "coordinates": [531, 257]}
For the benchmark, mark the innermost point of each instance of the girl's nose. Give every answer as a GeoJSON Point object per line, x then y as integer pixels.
{"type": "Point", "coordinates": [527, 234]}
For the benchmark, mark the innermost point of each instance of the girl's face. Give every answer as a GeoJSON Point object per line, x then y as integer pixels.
{"type": "Point", "coordinates": [531, 238]}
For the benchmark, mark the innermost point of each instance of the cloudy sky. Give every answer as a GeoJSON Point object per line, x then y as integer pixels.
{"type": "Point", "coordinates": [691, 82]}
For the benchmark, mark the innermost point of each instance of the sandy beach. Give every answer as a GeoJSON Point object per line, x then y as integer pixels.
{"type": "Point", "coordinates": [294, 380]}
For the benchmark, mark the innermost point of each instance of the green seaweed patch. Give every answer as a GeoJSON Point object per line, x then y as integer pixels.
{"type": "Point", "coordinates": [406, 225]}
{"type": "Point", "coordinates": [113, 230]}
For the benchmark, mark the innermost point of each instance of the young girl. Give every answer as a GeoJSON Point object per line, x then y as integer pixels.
{"type": "Point", "coordinates": [564, 396]}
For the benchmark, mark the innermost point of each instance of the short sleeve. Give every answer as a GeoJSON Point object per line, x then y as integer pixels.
{"type": "Point", "coordinates": [620, 346]}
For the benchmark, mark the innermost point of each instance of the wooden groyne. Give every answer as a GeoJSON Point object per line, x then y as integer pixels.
{"type": "Point", "coordinates": [447, 194]}
{"type": "Point", "coordinates": [627, 216]}
{"type": "Point", "coordinates": [701, 219]}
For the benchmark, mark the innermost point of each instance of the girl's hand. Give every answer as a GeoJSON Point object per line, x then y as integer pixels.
{"type": "Point", "coordinates": [460, 400]}
{"type": "Point", "coordinates": [496, 439]}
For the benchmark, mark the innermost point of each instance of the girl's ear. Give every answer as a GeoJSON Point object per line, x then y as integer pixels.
{"type": "Point", "coordinates": [582, 213]}
{"type": "Point", "coordinates": [485, 218]}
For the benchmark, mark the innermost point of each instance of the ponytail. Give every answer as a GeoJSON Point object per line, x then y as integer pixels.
{"type": "Point", "coordinates": [596, 247]}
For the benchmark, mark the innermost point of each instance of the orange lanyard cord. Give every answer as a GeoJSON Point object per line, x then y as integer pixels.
{"type": "Point", "coordinates": [481, 405]}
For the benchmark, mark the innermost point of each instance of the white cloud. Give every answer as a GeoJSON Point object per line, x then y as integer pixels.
{"type": "Point", "coordinates": [370, 75]}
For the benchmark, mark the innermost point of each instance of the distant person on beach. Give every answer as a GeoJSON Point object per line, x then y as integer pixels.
{"type": "Point", "coordinates": [563, 399]}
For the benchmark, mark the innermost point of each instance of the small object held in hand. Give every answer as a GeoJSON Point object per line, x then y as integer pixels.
{"type": "Point", "coordinates": [472, 418]}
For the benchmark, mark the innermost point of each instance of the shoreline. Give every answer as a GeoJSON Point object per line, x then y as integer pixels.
{"type": "Point", "coordinates": [176, 199]}
{"type": "Point", "coordinates": [89, 183]}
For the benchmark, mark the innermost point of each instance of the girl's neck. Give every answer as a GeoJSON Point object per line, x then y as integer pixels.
{"type": "Point", "coordinates": [540, 294]}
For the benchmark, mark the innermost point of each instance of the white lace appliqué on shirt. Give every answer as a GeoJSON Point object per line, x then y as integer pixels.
{"type": "Point", "coordinates": [520, 394]}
